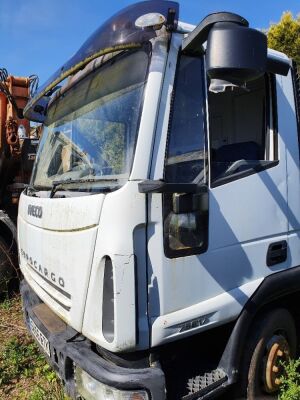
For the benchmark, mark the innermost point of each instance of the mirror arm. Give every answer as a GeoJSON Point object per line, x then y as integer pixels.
{"type": "Point", "coordinates": [193, 42]}
{"type": "Point", "coordinates": [158, 186]}
{"type": "Point", "coordinates": [277, 66]}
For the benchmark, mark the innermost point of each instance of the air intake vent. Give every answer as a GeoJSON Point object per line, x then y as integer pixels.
{"type": "Point", "coordinates": [108, 316]}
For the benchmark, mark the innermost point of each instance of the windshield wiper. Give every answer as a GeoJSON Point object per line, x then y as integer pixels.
{"type": "Point", "coordinates": [33, 189]}
{"type": "Point", "coordinates": [56, 184]}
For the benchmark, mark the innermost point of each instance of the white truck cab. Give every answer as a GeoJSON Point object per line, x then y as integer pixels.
{"type": "Point", "coordinates": [159, 237]}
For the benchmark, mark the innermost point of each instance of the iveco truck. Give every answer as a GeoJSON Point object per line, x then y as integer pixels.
{"type": "Point", "coordinates": [159, 237]}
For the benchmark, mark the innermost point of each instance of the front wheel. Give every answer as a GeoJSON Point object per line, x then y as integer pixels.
{"type": "Point", "coordinates": [272, 340]}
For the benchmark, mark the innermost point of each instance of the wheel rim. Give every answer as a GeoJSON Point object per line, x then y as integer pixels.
{"type": "Point", "coordinates": [277, 352]}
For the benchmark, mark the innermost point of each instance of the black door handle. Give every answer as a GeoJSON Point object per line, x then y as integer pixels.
{"type": "Point", "coordinates": [277, 253]}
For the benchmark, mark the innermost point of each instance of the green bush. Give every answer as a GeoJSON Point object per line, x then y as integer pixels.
{"type": "Point", "coordinates": [290, 381]}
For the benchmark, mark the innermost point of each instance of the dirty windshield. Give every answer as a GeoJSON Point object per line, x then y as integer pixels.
{"type": "Point", "coordinates": [90, 132]}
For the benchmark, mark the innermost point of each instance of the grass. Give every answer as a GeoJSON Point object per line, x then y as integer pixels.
{"type": "Point", "coordinates": [24, 372]}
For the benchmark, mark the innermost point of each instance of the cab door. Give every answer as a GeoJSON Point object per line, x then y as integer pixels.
{"type": "Point", "coordinates": [211, 245]}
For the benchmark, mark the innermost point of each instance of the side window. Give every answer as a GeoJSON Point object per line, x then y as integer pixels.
{"type": "Point", "coordinates": [186, 230]}
{"type": "Point", "coordinates": [242, 132]}
{"type": "Point", "coordinates": [185, 161]}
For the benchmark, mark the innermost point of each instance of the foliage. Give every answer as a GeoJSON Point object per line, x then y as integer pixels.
{"type": "Point", "coordinates": [285, 36]}
{"type": "Point", "coordinates": [42, 393]}
{"type": "Point", "coordinates": [105, 140]}
{"type": "Point", "coordinates": [290, 381]}
{"type": "Point", "coordinates": [20, 359]}
{"type": "Point", "coordinates": [6, 303]}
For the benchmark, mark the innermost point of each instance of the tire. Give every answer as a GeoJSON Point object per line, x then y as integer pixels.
{"type": "Point", "coordinates": [272, 332]}
{"type": "Point", "coordinates": [8, 269]}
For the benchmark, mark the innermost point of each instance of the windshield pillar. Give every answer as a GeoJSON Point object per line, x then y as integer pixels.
{"type": "Point", "coordinates": [151, 109]}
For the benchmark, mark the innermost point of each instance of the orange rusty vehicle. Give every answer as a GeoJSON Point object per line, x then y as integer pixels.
{"type": "Point", "coordinates": [18, 143]}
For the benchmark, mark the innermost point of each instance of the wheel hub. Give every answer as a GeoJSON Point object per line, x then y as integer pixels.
{"type": "Point", "coordinates": [278, 352]}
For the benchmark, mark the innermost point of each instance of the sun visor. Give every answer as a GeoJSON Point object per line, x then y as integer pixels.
{"type": "Point", "coordinates": [125, 30]}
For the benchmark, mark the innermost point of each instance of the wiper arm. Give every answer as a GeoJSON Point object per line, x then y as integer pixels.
{"type": "Point", "coordinates": [33, 189]}
{"type": "Point", "coordinates": [70, 181]}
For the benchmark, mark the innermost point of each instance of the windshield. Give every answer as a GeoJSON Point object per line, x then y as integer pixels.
{"type": "Point", "coordinates": [90, 131]}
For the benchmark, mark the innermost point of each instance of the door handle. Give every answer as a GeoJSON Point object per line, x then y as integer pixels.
{"type": "Point", "coordinates": [277, 253]}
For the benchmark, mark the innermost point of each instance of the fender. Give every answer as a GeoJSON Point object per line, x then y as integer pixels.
{"type": "Point", "coordinates": [273, 288]}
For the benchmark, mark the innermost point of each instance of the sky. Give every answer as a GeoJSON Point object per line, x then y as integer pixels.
{"type": "Point", "coordinates": [39, 36]}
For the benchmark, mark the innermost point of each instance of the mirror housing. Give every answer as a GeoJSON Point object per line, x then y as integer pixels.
{"type": "Point", "coordinates": [235, 53]}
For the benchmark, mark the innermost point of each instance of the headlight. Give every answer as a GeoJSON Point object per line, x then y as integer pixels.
{"type": "Point", "coordinates": [90, 389]}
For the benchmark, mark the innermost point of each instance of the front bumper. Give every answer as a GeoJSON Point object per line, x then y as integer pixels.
{"type": "Point", "coordinates": [69, 349]}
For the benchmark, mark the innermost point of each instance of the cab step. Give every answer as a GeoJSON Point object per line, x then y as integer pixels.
{"type": "Point", "coordinates": [201, 385]}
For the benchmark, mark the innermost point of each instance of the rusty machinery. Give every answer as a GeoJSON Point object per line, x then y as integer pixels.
{"type": "Point", "coordinates": [18, 141]}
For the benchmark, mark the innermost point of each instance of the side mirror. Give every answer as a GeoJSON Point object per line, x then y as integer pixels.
{"type": "Point", "coordinates": [38, 112]}
{"type": "Point", "coordinates": [235, 53]}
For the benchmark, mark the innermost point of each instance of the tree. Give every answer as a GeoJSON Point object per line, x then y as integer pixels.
{"type": "Point", "coordinates": [285, 36]}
